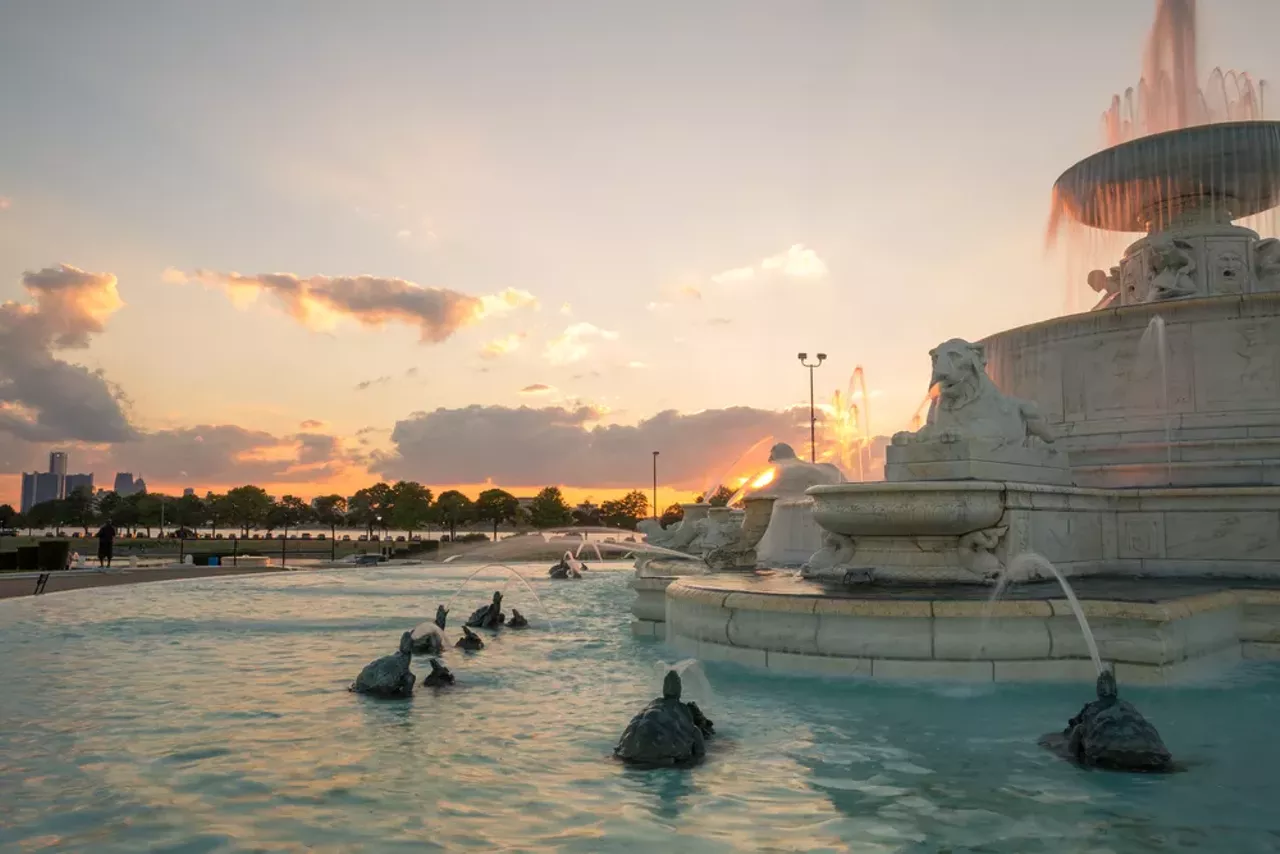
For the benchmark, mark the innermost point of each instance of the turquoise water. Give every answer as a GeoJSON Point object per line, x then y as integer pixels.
{"type": "Point", "coordinates": [213, 715]}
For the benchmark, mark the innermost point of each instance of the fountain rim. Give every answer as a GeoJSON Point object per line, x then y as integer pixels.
{"type": "Point", "coordinates": [1063, 185]}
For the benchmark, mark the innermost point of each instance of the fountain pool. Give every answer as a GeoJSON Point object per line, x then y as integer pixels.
{"type": "Point", "coordinates": [212, 715]}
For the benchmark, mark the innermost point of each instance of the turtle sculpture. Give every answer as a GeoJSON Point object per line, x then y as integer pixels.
{"type": "Point", "coordinates": [517, 620]}
{"type": "Point", "coordinates": [438, 676]}
{"type": "Point", "coordinates": [565, 569]}
{"type": "Point", "coordinates": [389, 676]}
{"type": "Point", "coordinates": [469, 640]}
{"type": "Point", "coordinates": [428, 638]}
{"type": "Point", "coordinates": [490, 616]}
{"type": "Point", "coordinates": [1110, 733]}
{"type": "Point", "coordinates": [667, 731]}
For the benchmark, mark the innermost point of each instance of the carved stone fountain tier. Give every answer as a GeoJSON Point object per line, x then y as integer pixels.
{"type": "Point", "coordinates": [1212, 419]}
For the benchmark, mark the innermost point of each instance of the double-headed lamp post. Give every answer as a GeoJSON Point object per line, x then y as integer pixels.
{"type": "Point", "coordinates": [655, 484]}
{"type": "Point", "coordinates": [813, 418]}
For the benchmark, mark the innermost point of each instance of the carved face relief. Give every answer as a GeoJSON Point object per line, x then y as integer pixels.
{"type": "Point", "coordinates": [1229, 272]}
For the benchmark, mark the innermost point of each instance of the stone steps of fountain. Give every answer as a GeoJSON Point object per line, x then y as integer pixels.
{"type": "Point", "coordinates": [797, 627]}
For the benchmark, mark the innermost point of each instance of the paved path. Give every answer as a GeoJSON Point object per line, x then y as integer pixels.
{"type": "Point", "coordinates": [23, 583]}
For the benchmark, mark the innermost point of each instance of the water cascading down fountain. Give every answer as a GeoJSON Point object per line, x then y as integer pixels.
{"type": "Point", "coordinates": [1155, 497]}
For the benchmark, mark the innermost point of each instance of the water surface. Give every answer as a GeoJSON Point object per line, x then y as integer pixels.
{"type": "Point", "coordinates": [212, 716]}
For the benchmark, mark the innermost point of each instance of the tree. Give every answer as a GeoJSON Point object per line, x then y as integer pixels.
{"type": "Point", "coordinates": [49, 514]}
{"type": "Point", "coordinates": [626, 511]}
{"type": "Point", "coordinates": [79, 508]}
{"type": "Point", "coordinates": [190, 512]}
{"type": "Point", "coordinates": [721, 496]}
{"type": "Point", "coordinates": [331, 510]}
{"type": "Point", "coordinates": [7, 515]}
{"type": "Point", "coordinates": [20, 521]}
{"type": "Point", "coordinates": [289, 512]}
{"type": "Point", "coordinates": [247, 507]}
{"type": "Point", "coordinates": [672, 515]}
{"type": "Point", "coordinates": [125, 514]}
{"type": "Point", "coordinates": [218, 510]}
{"type": "Point", "coordinates": [366, 506]}
{"type": "Point", "coordinates": [549, 509]}
{"type": "Point", "coordinates": [410, 506]}
{"type": "Point", "coordinates": [453, 509]}
{"type": "Point", "coordinates": [151, 509]}
{"type": "Point", "coordinates": [587, 515]}
{"type": "Point", "coordinates": [496, 506]}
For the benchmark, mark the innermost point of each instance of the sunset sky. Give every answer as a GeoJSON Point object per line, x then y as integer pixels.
{"type": "Point", "coordinates": [312, 245]}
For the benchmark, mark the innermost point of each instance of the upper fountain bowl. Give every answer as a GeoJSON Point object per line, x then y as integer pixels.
{"type": "Point", "coordinates": [1221, 171]}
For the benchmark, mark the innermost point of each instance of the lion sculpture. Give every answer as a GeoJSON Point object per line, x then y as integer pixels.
{"type": "Point", "coordinates": [969, 406]}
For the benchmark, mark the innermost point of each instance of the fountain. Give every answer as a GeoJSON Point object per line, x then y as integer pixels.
{"type": "Point", "coordinates": [1156, 497]}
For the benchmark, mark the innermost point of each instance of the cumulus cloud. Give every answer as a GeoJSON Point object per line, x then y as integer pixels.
{"type": "Point", "coordinates": [319, 302]}
{"type": "Point", "coordinates": [566, 445]}
{"type": "Point", "coordinates": [501, 346]}
{"type": "Point", "coordinates": [737, 274]}
{"type": "Point", "coordinates": [566, 309]}
{"type": "Point", "coordinates": [796, 262]}
{"type": "Point", "coordinates": [575, 343]}
{"type": "Point", "coordinates": [227, 454]}
{"type": "Point", "coordinates": [42, 397]}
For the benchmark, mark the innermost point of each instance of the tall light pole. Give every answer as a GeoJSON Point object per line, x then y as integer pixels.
{"type": "Point", "coordinates": [813, 418]}
{"type": "Point", "coordinates": [655, 484]}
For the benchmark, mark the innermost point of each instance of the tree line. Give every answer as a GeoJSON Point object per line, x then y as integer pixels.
{"type": "Point", "coordinates": [402, 506]}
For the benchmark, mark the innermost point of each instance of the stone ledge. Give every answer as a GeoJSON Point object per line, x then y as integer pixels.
{"type": "Point", "coordinates": [1259, 651]}
{"type": "Point", "coordinates": [1003, 609]}
{"type": "Point", "coordinates": [646, 629]}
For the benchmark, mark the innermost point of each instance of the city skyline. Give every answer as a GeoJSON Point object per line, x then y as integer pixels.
{"type": "Point", "coordinates": [232, 279]}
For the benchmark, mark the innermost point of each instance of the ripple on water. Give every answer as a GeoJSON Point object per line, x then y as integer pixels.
{"type": "Point", "coordinates": [213, 715]}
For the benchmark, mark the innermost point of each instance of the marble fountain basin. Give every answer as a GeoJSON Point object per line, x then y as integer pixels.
{"type": "Point", "coordinates": [913, 508]}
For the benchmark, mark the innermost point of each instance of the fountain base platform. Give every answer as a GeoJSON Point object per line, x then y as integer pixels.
{"type": "Point", "coordinates": [1153, 631]}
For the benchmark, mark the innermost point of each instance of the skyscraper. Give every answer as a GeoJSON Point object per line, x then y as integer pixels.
{"type": "Point", "coordinates": [48, 485]}
{"type": "Point", "coordinates": [72, 482]}
{"type": "Point", "coordinates": [124, 483]}
{"type": "Point", "coordinates": [58, 468]}
{"type": "Point", "coordinates": [28, 491]}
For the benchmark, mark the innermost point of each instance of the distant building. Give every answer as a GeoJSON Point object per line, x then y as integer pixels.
{"type": "Point", "coordinates": [28, 491]}
{"type": "Point", "coordinates": [72, 482]}
{"type": "Point", "coordinates": [188, 491]}
{"type": "Point", "coordinates": [39, 487]}
{"type": "Point", "coordinates": [58, 468]}
{"type": "Point", "coordinates": [124, 484]}
{"type": "Point", "coordinates": [139, 485]}
{"type": "Point", "coordinates": [47, 487]}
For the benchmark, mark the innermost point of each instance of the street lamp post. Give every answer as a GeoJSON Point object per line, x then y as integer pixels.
{"type": "Point", "coordinates": [655, 484]}
{"type": "Point", "coordinates": [813, 418]}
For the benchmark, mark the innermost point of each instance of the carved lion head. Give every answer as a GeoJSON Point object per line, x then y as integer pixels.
{"type": "Point", "coordinates": [958, 371]}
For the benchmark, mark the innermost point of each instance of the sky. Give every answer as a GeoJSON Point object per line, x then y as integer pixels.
{"type": "Point", "coordinates": [312, 245]}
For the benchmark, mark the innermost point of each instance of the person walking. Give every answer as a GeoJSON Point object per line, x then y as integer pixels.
{"type": "Point", "coordinates": [106, 541]}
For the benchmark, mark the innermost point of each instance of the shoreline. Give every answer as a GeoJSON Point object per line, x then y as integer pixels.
{"type": "Point", "coordinates": [66, 580]}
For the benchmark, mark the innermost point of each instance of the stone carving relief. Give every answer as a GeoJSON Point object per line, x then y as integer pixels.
{"type": "Point", "coordinates": [978, 551]}
{"type": "Point", "coordinates": [1267, 264]}
{"type": "Point", "coordinates": [1107, 285]}
{"type": "Point", "coordinates": [837, 550]}
{"type": "Point", "coordinates": [970, 407]}
{"type": "Point", "coordinates": [1170, 265]}
{"type": "Point", "coordinates": [1230, 272]}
